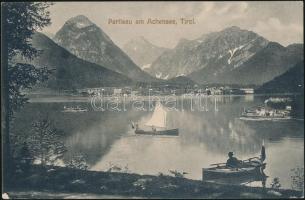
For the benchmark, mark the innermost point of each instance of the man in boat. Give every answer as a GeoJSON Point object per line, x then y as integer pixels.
{"type": "Point", "coordinates": [153, 129]}
{"type": "Point", "coordinates": [232, 161]}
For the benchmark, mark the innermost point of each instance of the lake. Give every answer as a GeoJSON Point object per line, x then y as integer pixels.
{"type": "Point", "coordinates": [105, 138]}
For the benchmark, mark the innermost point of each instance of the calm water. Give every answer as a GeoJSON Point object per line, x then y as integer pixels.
{"type": "Point", "coordinates": [106, 138]}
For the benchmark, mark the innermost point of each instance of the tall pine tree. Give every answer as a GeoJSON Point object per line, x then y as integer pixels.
{"type": "Point", "coordinates": [19, 21]}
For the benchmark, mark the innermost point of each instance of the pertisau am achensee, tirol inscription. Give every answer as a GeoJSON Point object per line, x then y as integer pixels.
{"type": "Point", "coordinates": [152, 21]}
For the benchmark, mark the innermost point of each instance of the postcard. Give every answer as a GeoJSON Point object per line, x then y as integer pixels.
{"type": "Point", "coordinates": [152, 99]}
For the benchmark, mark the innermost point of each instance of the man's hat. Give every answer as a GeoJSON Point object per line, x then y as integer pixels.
{"type": "Point", "coordinates": [230, 153]}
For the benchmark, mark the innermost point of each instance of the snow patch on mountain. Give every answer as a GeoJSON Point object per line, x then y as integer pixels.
{"type": "Point", "coordinates": [158, 75]}
{"type": "Point", "coordinates": [180, 75]}
{"type": "Point", "coordinates": [82, 25]}
{"type": "Point", "coordinates": [166, 77]}
{"type": "Point", "coordinates": [232, 52]}
{"type": "Point", "coordinates": [145, 66]}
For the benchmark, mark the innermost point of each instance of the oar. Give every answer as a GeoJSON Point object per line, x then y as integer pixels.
{"type": "Point", "coordinates": [218, 164]}
{"type": "Point", "coordinates": [251, 158]}
{"type": "Point", "coordinates": [263, 152]}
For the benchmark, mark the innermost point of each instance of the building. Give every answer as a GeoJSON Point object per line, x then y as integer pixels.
{"type": "Point", "coordinates": [248, 90]}
{"type": "Point", "coordinates": [117, 92]}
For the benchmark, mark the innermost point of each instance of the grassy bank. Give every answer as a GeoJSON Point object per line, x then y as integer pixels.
{"type": "Point", "coordinates": [57, 180]}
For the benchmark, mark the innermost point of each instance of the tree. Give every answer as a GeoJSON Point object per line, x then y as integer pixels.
{"type": "Point", "coordinates": [25, 158]}
{"type": "Point", "coordinates": [297, 178]}
{"type": "Point", "coordinates": [19, 21]}
{"type": "Point", "coordinates": [46, 142]}
{"type": "Point", "coordinates": [276, 183]}
{"type": "Point", "coordinates": [77, 162]}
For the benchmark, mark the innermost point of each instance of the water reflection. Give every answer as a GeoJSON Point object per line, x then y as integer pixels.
{"type": "Point", "coordinates": [205, 138]}
{"type": "Point", "coordinates": [95, 141]}
{"type": "Point", "coordinates": [106, 138]}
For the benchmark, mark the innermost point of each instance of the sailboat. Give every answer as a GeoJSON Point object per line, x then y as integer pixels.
{"type": "Point", "coordinates": [157, 123]}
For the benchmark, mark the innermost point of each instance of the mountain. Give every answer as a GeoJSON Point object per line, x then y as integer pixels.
{"type": "Point", "coordinates": [50, 35]}
{"type": "Point", "coordinates": [224, 50]}
{"type": "Point", "coordinates": [87, 41]}
{"type": "Point", "coordinates": [266, 64]}
{"type": "Point", "coordinates": [181, 81]}
{"type": "Point", "coordinates": [70, 71]}
{"type": "Point", "coordinates": [291, 81]}
{"type": "Point", "coordinates": [231, 56]}
{"type": "Point", "coordinates": [142, 52]}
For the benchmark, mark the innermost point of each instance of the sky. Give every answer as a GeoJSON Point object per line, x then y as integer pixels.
{"type": "Point", "coordinates": [279, 21]}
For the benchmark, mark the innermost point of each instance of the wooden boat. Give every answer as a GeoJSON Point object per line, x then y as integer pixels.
{"type": "Point", "coordinates": [221, 171]}
{"type": "Point", "coordinates": [157, 125]}
{"type": "Point", "coordinates": [239, 179]}
{"type": "Point", "coordinates": [74, 109]}
{"type": "Point", "coordinates": [171, 132]}
{"type": "Point", "coordinates": [251, 167]}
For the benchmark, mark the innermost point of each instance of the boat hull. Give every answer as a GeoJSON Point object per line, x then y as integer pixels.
{"type": "Point", "coordinates": [208, 174]}
{"type": "Point", "coordinates": [253, 168]}
{"type": "Point", "coordinates": [170, 132]}
{"type": "Point", "coordinates": [73, 111]}
{"type": "Point", "coordinates": [259, 118]}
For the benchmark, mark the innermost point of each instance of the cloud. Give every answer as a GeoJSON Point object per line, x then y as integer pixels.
{"type": "Point", "coordinates": [277, 21]}
{"type": "Point", "coordinates": [274, 30]}
{"type": "Point", "coordinates": [229, 9]}
{"type": "Point", "coordinates": [219, 15]}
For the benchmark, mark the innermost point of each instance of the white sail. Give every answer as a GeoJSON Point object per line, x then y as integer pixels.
{"type": "Point", "coordinates": [158, 118]}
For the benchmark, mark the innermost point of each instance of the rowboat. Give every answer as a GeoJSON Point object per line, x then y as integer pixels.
{"type": "Point", "coordinates": [74, 109]}
{"type": "Point", "coordinates": [157, 124]}
{"type": "Point", "coordinates": [250, 168]}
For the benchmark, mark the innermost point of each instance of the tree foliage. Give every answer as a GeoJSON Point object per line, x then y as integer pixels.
{"type": "Point", "coordinates": [23, 76]}
{"type": "Point", "coordinates": [275, 184]}
{"type": "Point", "coordinates": [46, 143]}
{"type": "Point", "coordinates": [297, 178]}
{"type": "Point", "coordinates": [77, 162]}
{"type": "Point", "coordinates": [21, 20]}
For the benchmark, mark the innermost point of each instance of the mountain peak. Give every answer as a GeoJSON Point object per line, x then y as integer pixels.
{"type": "Point", "coordinates": [80, 21]}
{"type": "Point", "coordinates": [142, 51]}
{"type": "Point", "coordinates": [232, 28]}
{"type": "Point", "coordinates": [87, 41]}
{"type": "Point", "coordinates": [140, 39]}
{"type": "Point", "coordinates": [275, 45]}
{"type": "Point", "coordinates": [182, 42]}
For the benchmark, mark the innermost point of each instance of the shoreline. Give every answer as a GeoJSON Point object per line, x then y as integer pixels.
{"type": "Point", "coordinates": [64, 182]}
{"type": "Point", "coordinates": [78, 98]}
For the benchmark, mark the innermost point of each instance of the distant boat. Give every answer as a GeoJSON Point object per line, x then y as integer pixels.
{"type": "Point", "coordinates": [157, 124]}
{"type": "Point", "coordinates": [260, 113]}
{"type": "Point", "coordinates": [74, 109]}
